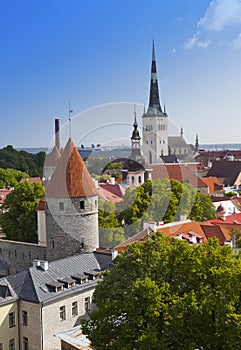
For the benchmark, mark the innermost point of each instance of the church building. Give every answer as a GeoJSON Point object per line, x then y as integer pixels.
{"type": "Point", "coordinates": [157, 144]}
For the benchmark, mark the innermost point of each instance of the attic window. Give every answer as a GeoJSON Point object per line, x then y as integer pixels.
{"type": "Point", "coordinates": [80, 278]}
{"type": "Point", "coordinates": [92, 275]}
{"type": "Point", "coordinates": [82, 204]}
{"type": "Point", "coordinates": [55, 286]}
{"type": "Point", "coordinates": [68, 282]}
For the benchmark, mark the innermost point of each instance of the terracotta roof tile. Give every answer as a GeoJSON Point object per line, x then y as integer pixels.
{"type": "Point", "coordinates": [213, 183]}
{"type": "Point", "coordinates": [179, 172]}
{"type": "Point", "coordinates": [71, 177]}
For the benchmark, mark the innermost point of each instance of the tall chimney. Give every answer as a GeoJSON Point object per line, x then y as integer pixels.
{"type": "Point", "coordinates": [57, 135]}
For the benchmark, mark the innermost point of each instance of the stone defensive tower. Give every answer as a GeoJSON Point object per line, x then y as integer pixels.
{"type": "Point", "coordinates": [154, 122]}
{"type": "Point", "coordinates": [71, 207]}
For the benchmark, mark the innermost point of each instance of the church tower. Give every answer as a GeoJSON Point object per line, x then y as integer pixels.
{"type": "Point", "coordinates": [71, 207]}
{"type": "Point", "coordinates": [154, 122]}
{"type": "Point", "coordinates": [134, 171]}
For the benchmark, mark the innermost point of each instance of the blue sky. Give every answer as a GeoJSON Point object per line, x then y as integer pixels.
{"type": "Point", "coordinates": [93, 52]}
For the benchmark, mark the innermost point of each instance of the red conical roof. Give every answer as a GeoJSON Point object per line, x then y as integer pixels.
{"type": "Point", "coordinates": [53, 157]}
{"type": "Point", "coordinates": [71, 177]}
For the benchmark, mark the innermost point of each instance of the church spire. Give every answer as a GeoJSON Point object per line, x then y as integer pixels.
{"type": "Point", "coordinates": [196, 142]}
{"type": "Point", "coordinates": [154, 101]}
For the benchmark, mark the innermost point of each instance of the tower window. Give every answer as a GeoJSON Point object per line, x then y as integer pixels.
{"type": "Point", "coordinates": [132, 180]}
{"type": "Point", "coordinates": [61, 206]}
{"type": "Point", "coordinates": [82, 204]}
{"type": "Point", "coordinates": [139, 179]}
{"type": "Point", "coordinates": [147, 142]}
{"type": "Point", "coordinates": [52, 243]}
{"type": "Point", "coordinates": [96, 203]}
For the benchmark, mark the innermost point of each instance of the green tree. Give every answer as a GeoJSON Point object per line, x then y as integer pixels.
{"type": "Point", "coordinates": [22, 160]}
{"type": "Point", "coordinates": [19, 218]}
{"type": "Point", "coordinates": [110, 232]}
{"type": "Point", "coordinates": [164, 294]}
{"type": "Point", "coordinates": [11, 177]}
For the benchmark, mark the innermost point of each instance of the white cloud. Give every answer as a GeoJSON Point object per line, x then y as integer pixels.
{"type": "Point", "coordinates": [196, 42]}
{"type": "Point", "coordinates": [221, 13]}
{"type": "Point", "coordinates": [236, 43]}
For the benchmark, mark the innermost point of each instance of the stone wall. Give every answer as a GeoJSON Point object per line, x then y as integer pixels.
{"type": "Point", "coordinates": [71, 229]}
{"type": "Point", "coordinates": [20, 255]}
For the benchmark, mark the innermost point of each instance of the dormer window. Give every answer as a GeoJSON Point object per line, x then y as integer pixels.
{"type": "Point", "coordinates": [80, 278]}
{"type": "Point", "coordinates": [55, 286]}
{"type": "Point", "coordinates": [67, 282]}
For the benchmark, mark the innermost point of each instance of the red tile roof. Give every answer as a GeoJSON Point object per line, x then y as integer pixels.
{"type": "Point", "coordinates": [32, 180]}
{"type": "Point", "coordinates": [3, 194]}
{"type": "Point", "coordinates": [185, 229]}
{"type": "Point", "coordinates": [213, 183]}
{"type": "Point", "coordinates": [229, 219]}
{"type": "Point", "coordinates": [110, 192]}
{"type": "Point", "coordinates": [223, 234]}
{"type": "Point", "coordinates": [179, 172]}
{"type": "Point", "coordinates": [138, 237]}
{"type": "Point", "coordinates": [71, 177]}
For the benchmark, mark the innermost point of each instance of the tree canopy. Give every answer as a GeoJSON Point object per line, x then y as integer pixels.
{"type": "Point", "coordinates": [164, 294]}
{"type": "Point", "coordinates": [19, 218]}
{"type": "Point", "coordinates": [163, 200]}
{"type": "Point", "coordinates": [11, 177]}
{"type": "Point", "coordinates": [27, 162]}
{"type": "Point", "coordinates": [110, 232]}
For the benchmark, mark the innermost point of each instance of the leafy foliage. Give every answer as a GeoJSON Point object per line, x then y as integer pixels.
{"type": "Point", "coordinates": [30, 163]}
{"type": "Point", "coordinates": [19, 217]}
{"type": "Point", "coordinates": [165, 294]}
{"type": "Point", "coordinates": [110, 232]}
{"type": "Point", "coordinates": [11, 177]}
{"type": "Point", "coordinates": [163, 200]}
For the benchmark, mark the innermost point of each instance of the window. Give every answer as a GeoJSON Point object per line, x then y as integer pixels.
{"type": "Point", "coordinates": [11, 344]}
{"type": "Point", "coordinates": [139, 179]}
{"type": "Point", "coordinates": [1, 346]}
{"type": "Point", "coordinates": [52, 243]}
{"type": "Point", "coordinates": [25, 343]}
{"type": "Point", "coordinates": [96, 203]}
{"type": "Point", "coordinates": [61, 206]}
{"type": "Point", "coordinates": [25, 318]}
{"type": "Point", "coordinates": [74, 308]}
{"type": "Point", "coordinates": [82, 204]}
{"type": "Point", "coordinates": [11, 320]}
{"type": "Point", "coordinates": [62, 313]}
{"type": "Point", "coordinates": [87, 304]}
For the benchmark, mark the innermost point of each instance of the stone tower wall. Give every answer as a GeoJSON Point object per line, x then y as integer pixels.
{"type": "Point", "coordinates": [71, 226]}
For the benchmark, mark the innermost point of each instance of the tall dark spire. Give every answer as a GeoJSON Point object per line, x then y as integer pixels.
{"type": "Point", "coordinates": [196, 142]}
{"type": "Point", "coordinates": [154, 101]}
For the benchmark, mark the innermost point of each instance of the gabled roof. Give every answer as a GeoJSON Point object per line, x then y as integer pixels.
{"type": "Point", "coordinates": [32, 284]}
{"type": "Point", "coordinates": [138, 237]}
{"type": "Point", "coordinates": [110, 192]}
{"type": "Point", "coordinates": [53, 157]}
{"type": "Point", "coordinates": [185, 229]}
{"type": "Point", "coordinates": [71, 177]}
{"type": "Point", "coordinates": [221, 233]}
{"type": "Point", "coordinates": [229, 219]}
{"type": "Point", "coordinates": [226, 170]}
{"type": "Point", "coordinates": [213, 183]}
{"type": "Point", "coordinates": [179, 172]}
{"type": "Point", "coordinates": [177, 142]}
{"type": "Point", "coordinates": [7, 294]}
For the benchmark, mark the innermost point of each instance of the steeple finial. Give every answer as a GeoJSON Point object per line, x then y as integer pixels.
{"type": "Point", "coordinates": [196, 142]}
{"type": "Point", "coordinates": [181, 132]}
{"type": "Point", "coordinates": [154, 100]}
{"type": "Point", "coordinates": [135, 122]}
